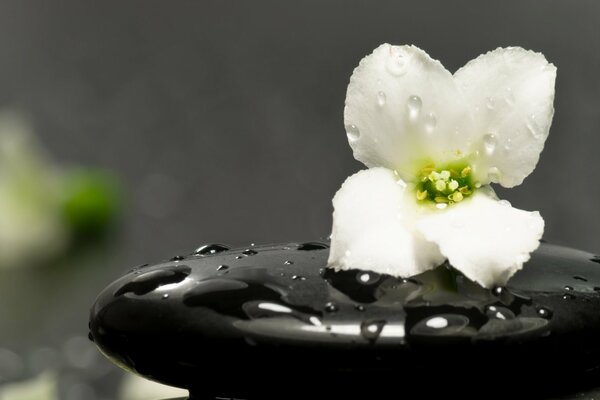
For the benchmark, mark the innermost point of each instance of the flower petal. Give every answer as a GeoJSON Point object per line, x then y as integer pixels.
{"type": "Point", "coordinates": [511, 92]}
{"type": "Point", "coordinates": [403, 109]}
{"type": "Point", "coordinates": [485, 239]}
{"type": "Point", "coordinates": [373, 227]}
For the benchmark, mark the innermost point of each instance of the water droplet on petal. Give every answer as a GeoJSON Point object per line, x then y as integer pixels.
{"type": "Point", "coordinates": [509, 97]}
{"type": "Point", "coordinates": [430, 122]}
{"type": "Point", "coordinates": [397, 63]}
{"type": "Point", "coordinates": [288, 262]}
{"type": "Point", "coordinates": [352, 132]}
{"type": "Point", "coordinates": [165, 296]}
{"type": "Point", "coordinates": [331, 307]}
{"type": "Point", "coordinates": [381, 99]}
{"type": "Point", "coordinates": [222, 267]}
{"type": "Point", "coordinates": [414, 106]}
{"type": "Point", "coordinates": [489, 143]}
{"type": "Point", "coordinates": [533, 128]}
{"type": "Point", "coordinates": [298, 278]}
{"type": "Point", "coordinates": [494, 174]}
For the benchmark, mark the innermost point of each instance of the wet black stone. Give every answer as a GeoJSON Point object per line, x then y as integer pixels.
{"type": "Point", "coordinates": [243, 330]}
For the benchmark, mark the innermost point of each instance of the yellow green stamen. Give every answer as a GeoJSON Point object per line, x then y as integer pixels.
{"type": "Point", "coordinates": [445, 186]}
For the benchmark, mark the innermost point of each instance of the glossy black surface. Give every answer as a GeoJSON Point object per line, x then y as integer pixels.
{"type": "Point", "coordinates": [242, 322]}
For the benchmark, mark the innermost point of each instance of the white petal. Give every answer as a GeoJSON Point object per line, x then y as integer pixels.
{"type": "Point", "coordinates": [404, 109]}
{"type": "Point", "coordinates": [511, 93]}
{"type": "Point", "coordinates": [373, 227]}
{"type": "Point", "coordinates": [485, 239]}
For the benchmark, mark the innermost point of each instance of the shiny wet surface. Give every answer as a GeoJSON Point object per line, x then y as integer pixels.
{"type": "Point", "coordinates": [240, 322]}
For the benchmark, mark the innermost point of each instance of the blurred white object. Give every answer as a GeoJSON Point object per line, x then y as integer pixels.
{"type": "Point", "coordinates": [137, 388]}
{"type": "Point", "coordinates": [43, 387]}
{"type": "Point", "coordinates": [30, 221]}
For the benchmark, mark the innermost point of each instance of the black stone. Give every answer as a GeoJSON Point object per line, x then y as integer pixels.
{"type": "Point", "coordinates": [243, 331]}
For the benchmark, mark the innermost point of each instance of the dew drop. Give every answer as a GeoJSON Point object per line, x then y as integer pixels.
{"type": "Point", "coordinates": [249, 252]}
{"type": "Point", "coordinates": [359, 307]}
{"type": "Point", "coordinates": [177, 258]}
{"type": "Point", "coordinates": [437, 323]}
{"type": "Point", "coordinates": [367, 278]}
{"type": "Point", "coordinates": [499, 312]}
{"type": "Point", "coordinates": [222, 267]}
{"type": "Point", "coordinates": [352, 132]}
{"type": "Point", "coordinates": [370, 330]}
{"type": "Point", "coordinates": [331, 307]}
{"type": "Point", "coordinates": [311, 246]}
{"type": "Point", "coordinates": [298, 278]}
{"type": "Point", "coordinates": [239, 257]}
{"type": "Point", "coordinates": [544, 312]}
{"type": "Point", "coordinates": [414, 105]}
{"type": "Point", "coordinates": [489, 144]}
{"type": "Point", "coordinates": [288, 262]}
{"type": "Point", "coordinates": [210, 249]}
{"type": "Point", "coordinates": [509, 97]}
{"type": "Point", "coordinates": [381, 98]}
{"type": "Point", "coordinates": [165, 296]}
{"type": "Point", "coordinates": [430, 122]}
{"type": "Point", "coordinates": [397, 63]}
{"type": "Point", "coordinates": [494, 174]}
{"type": "Point", "coordinates": [569, 288]}
{"type": "Point", "coordinates": [568, 296]}
{"type": "Point", "coordinates": [490, 103]}
{"type": "Point", "coordinates": [533, 128]}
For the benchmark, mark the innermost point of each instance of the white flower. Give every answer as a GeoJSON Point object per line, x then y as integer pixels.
{"type": "Point", "coordinates": [433, 143]}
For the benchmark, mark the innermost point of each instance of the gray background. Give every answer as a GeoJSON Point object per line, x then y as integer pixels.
{"type": "Point", "coordinates": [223, 119]}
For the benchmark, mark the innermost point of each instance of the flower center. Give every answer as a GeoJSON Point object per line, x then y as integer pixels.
{"type": "Point", "coordinates": [445, 186]}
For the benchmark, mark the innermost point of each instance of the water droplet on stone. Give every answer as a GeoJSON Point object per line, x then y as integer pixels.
{"type": "Point", "coordinates": [367, 278]}
{"type": "Point", "coordinates": [331, 307]}
{"type": "Point", "coordinates": [148, 281]}
{"type": "Point", "coordinates": [352, 132]}
{"type": "Point", "coordinates": [544, 312]}
{"type": "Point", "coordinates": [430, 122]}
{"type": "Point", "coordinates": [490, 103]}
{"type": "Point", "coordinates": [310, 246]}
{"type": "Point", "coordinates": [370, 330]}
{"type": "Point", "coordinates": [381, 99]}
{"type": "Point", "coordinates": [414, 105]}
{"type": "Point", "coordinates": [499, 312]}
{"type": "Point", "coordinates": [437, 323]}
{"type": "Point", "coordinates": [489, 144]}
{"type": "Point", "coordinates": [210, 249]}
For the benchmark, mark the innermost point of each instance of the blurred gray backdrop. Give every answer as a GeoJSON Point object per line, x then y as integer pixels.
{"type": "Point", "coordinates": [224, 118]}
